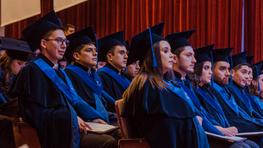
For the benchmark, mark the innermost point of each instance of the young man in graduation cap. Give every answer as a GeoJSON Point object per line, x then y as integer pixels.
{"type": "Point", "coordinates": [183, 66]}
{"type": "Point", "coordinates": [112, 49]}
{"type": "Point", "coordinates": [235, 115]}
{"type": "Point", "coordinates": [47, 97]}
{"type": "Point", "coordinates": [240, 77]}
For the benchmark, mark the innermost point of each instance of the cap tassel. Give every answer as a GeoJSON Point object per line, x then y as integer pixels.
{"type": "Point", "coordinates": [154, 64]}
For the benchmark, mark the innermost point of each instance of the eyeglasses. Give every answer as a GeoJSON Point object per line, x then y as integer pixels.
{"type": "Point", "coordinates": [60, 41]}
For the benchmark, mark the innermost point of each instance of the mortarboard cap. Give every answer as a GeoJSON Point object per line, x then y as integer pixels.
{"type": "Point", "coordinates": [238, 59]}
{"type": "Point", "coordinates": [204, 54]}
{"type": "Point", "coordinates": [76, 39]}
{"type": "Point", "coordinates": [106, 43]}
{"type": "Point", "coordinates": [16, 49]}
{"type": "Point", "coordinates": [158, 29]}
{"type": "Point", "coordinates": [179, 39]}
{"type": "Point", "coordinates": [141, 44]}
{"type": "Point", "coordinates": [222, 54]}
{"type": "Point", "coordinates": [257, 69]}
{"type": "Point", "coordinates": [250, 59]}
{"type": "Point", "coordinates": [35, 32]}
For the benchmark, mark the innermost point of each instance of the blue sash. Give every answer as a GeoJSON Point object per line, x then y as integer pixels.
{"type": "Point", "coordinates": [93, 83]}
{"type": "Point", "coordinates": [243, 97]}
{"type": "Point", "coordinates": [84, 110]}
{"type": "Point", "coordinates": [257, 103]}
{"type": "Point", "coordinates": [215, 104]}
{"type": "Point", "coordinates": [75, 142]}
{"type": "Point", "coordinates": [230, 101]}
{"type": "Point", "coordinates": [120, 79]}
{"type": "Point", "coordinates": [201, 136]}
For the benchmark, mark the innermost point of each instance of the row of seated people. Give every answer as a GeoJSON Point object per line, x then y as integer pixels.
{"type": "Point", "coordinates": [160, 105]}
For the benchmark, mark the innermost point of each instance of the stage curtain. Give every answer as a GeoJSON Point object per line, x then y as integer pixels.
{"type": "Point", "coordinates": [216, 21]}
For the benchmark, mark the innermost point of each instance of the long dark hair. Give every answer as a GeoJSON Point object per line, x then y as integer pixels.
{"type": "Point", "coordinates": [148, 72]}
{"type": "Point", "coordinates": [195, 77]}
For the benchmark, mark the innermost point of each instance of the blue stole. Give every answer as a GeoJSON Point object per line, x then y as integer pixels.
{"type": "Point", "coordinates": [257, 103]}
{"type": "Point", "coordinates": [50, 72]}
{"type": "Point", "coordinates": [93, 83]}
{"type": "Point", "coordinates": [230, 101]}
{"type": "Point", "coordinates": [212, 101]}
{"type": "Point", "coordinates": [84, 110]}
{"type": "Point", "coordinates": [201, 136]}
{"type": "Point", "coordinates": [120, 79]}
{"type": "Point", "coordinates": [243, 97]}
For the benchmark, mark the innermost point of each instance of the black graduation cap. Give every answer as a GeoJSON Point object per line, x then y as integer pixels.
{"type": "Point", "coordinates": [141, 44]}
{"type": "Point", "coordinates": [250, 59]}
{"type": "Point", "coordinates": [204, 54]}
{"type": "Point", "coordinates": [16, 49]}
{"type": "Point", "coordinates": [106, 43]}
{"type": "Point", "coordinates": [179, 39]}
{"type": "Point", "coordinates": [76, 39]}
{"type": "Point", "coordinates": [240, 58]}
{"type": "Point", "coordinates": [257, 69]}
{"type": "Point", "coordinates": [158, 29]}
{"type": "Point", "coordinates": [35, 32]}
{"type": "Point", "coordinates": [222, 54]}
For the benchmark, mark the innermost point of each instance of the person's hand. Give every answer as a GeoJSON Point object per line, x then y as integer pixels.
{"type": "Point", "coordinates": [200, 120]}
{"type": "Point", "coordinates": [83, 126]}
{"type": "Point", "coordinates": [99, 121]}
{"type": "Point", "coordinates": [230, 131]}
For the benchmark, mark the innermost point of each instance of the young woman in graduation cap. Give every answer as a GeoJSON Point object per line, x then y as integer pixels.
{"type": "Point", "coordinates": [11, 62]}
{"type": "Point", "coordinates": [152, 106]}
{"type": "Point", "coordinates": [202, 80]}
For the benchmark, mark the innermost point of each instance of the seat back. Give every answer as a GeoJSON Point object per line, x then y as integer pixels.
{"type": "Point", "coordinates": [122, 121]}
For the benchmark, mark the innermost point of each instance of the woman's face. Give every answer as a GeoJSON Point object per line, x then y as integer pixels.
{"type": "Point", "coordinates": [206, 73]}
{"type": "Point", "coordinates": [16, 66]}
{"type": "Point", "coordinates": [166, 56]}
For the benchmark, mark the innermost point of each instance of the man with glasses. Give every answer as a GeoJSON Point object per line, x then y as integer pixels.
{"type": "Point", "coordinates": [48, 100]}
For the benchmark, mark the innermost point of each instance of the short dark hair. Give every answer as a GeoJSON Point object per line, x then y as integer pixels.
{"type": "Point", "coordinates": [67, 26]}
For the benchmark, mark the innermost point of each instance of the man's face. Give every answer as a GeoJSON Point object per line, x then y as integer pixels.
{"type": "Point", "coordinates": [241, 75]}
{"type": "Point", "coordinates": [54, 46]}
{"type": "Point", "coordinates": [186, 60]}
{"type": "Point", "coordinates": [70, 31]}
{"type": "Point", "coordinates": [118, 57]}
{"type": "Point", "coordinates": [221, 72]}
{"type": "Point", "coordinates": [87, 56]}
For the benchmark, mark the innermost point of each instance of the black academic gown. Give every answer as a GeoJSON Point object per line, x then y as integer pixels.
{"type": "Point", "coordinates": [233, 118]}
{"type": "Point", "coordinates": [44, 107]}
{"type": "Point", "coordinates": [112, 87]}
{"type": "Point", "coordinates": [243, 100]}
{"type": "Point", "coordinates": [211, 105]}
{"type": "Point", "coordinates": [161, 117]}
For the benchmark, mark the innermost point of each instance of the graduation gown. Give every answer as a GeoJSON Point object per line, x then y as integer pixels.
{"type": "Point", "coordinates": [162, 118]}
{"type": "Point", "coordinates": [234, 114]}
{"type": "Point", "coordinates": [111, 85]}
{"type": "Point", "coordinates": [211, 105]}
{"type": "Point", "coordinates": [208, 121]}
{"type": "Point", "coordinates": [92, 96]}
{"type": "Point", "coordinates": [257, 104]}
{"type": "Point", "coordinates": [44, 107]}
{"type": "Point", "coordinates": [244, 100]}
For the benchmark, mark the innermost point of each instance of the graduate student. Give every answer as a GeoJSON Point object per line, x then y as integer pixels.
{"type": "Point", "coordinates": [183, 66]}
{"type": "Point", "coordinates": [14, 59]}
{"type": "Point", "coordinates": [202, 80]}
{"type": "Point", "coordinates": [47, 97]}
{"type": "Point", "coordinates": [235, 115]}
{"type": "Point", "coordinates": [241, 76]}
{"type": "Point", "coordinates": [154, 109]}
{"type": "Point", "coordinates": [112, 49]}
{"type": "Point", "coordinates": [82, 53]}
